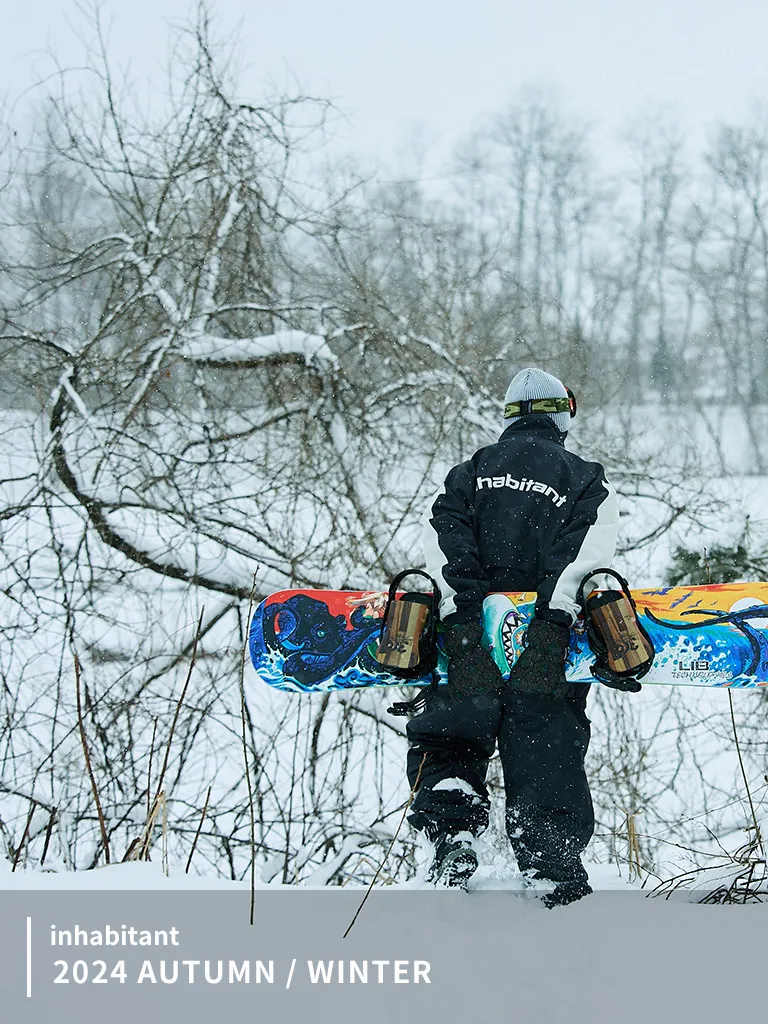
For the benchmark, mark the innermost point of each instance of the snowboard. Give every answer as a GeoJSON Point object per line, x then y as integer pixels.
{"type": "Point", "coordinates": [312, 641]}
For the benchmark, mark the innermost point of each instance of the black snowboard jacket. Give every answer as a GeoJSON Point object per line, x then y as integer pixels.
{"type": "Point", "coordinates": [521, 514]}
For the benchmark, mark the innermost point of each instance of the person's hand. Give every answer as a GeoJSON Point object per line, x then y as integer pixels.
{"type": "Point", "coordinates": [540, 668]}
{"type": "Point", "coordinates": [472, 671]}
{"type": "Point", "coordinates": [603, 674]}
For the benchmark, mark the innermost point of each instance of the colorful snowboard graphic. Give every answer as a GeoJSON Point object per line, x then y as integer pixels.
{"type": "Point", "coordinates": [311, 641]}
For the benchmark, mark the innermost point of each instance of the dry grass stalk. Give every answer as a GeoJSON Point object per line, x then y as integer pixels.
{"type": "Point", "coordinates": [139, 848]}
{"type": "Point", "coordinates": [149, 766]}
{"type": "Point", "coordinates": [633, 848]}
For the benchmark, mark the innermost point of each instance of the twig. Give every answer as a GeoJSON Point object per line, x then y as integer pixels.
{"type": "Point", "coordinates": [48, 831]}
{"type": "Point", "coordinates": [149, 767]}
{"type": "Point", "coordinates": [94, 788]}
{"type": "Point", "coordinates": [165, 839]}
{"type": "Point", "coordinates": [25, 833]}
{"type": "Point", "coordinates": [130, 852]}
{"type": "Point", "coordinates": [380, 868]}
{"type": "Point", "coordinates": [248, 782]}
{"type": "Point", "coordinates": [199, 830]}
{"type": "Point", "coordinates": [666, 887]}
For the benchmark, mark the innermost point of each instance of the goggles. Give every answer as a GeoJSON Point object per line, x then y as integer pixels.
{"type": "Point", "coordinates": [542, 405]}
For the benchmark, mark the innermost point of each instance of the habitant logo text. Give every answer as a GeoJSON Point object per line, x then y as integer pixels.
{"type": "Point", "coordinates": [521, 485]}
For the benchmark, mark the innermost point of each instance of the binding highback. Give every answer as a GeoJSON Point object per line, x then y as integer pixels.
{"type": "Point", "coordinates": [408, 637]}
{"type": "Point", "coordinates": [621, 645]}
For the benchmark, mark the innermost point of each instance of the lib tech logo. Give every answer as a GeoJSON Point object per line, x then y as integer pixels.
{"type": "Point", "coordinates": [487, 482]}
{"type": "Point", "coordinates": [693, 666]}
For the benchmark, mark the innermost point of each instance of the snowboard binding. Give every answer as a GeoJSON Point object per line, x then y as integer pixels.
{"type": "Point", "coordinates": [623, 650]}
{"type": "Point", "coordinates": [408, 638]}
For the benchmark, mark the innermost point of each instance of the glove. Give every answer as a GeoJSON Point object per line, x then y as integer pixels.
{"type": "Point", "coordinates": [472, 671]}
{"type": "Point", "coordinates": [541, 667]}
{"type": "Point", "coordinates": [607, 677]}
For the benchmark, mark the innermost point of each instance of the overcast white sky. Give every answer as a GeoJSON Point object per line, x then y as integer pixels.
{"type": "Point", "coordinates": [427, 68]}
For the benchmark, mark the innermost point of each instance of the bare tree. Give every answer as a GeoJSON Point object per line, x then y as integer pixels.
{"type": "Point", "coordinates": [205, 409]}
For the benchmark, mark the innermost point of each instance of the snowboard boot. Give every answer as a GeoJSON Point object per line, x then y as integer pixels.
{"type": "Point", "coordinates": [454, 862]}
{"type": "Point", "coordinates": [565, 893]}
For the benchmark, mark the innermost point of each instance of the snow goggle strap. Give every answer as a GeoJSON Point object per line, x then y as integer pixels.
{"type": "Point", "coordinates": [546, 405]}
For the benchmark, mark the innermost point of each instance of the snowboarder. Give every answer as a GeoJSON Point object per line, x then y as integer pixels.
{"type": "Point", "coordinates": [521, 514]}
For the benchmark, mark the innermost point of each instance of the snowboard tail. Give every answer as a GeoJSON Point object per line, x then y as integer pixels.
{"type": "Point", "coordinates": [312, 641]}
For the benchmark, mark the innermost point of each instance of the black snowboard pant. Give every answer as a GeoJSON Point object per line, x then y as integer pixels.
{"type": "Point", "coordinates": [542, 743]}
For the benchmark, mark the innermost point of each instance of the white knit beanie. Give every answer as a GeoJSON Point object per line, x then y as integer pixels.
{"type": "Point", "coordinates": [532, 383]}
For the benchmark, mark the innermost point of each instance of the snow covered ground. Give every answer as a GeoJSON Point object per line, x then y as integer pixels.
{"type": "Point", "coordinates": [150, 875]}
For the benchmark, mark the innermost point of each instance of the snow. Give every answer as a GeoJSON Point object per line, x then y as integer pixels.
{"type": "Point", "coordinates": [312, 347]}
{"type": "Point", "coordinates": [133, 875]}
{"type": "Point", "coordinates": [456, 785]}
{"type": "Point", "coordinates": [495, 875]}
